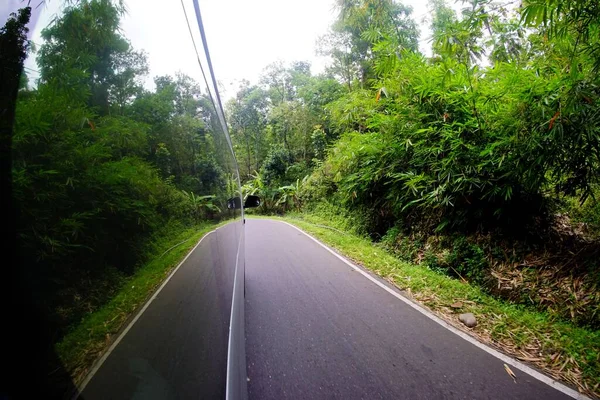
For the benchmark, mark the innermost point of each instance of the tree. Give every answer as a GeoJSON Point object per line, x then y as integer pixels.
{"type": "Point", "coordinates": [443, 18]}
{"type": "Point", "coordinates": [344, 63]}
{"type": "Point", "coordinates": [574, 23]}
{"type": "Point", "coordinates": [366, 28]}
{"type": "Point", "coordinates": [282, 114]}
{"type": "Point", "coordinates": [84, 52]}
{"type": "Point", "coordinates": [13, 47]}
{"type": "Point", "coordinates": [129, 68]}
{"type": "Point", "coordinates": [283, 82]}
{"type": "Point", "coordinates": [247, 115]}
{"type": "Point", "coordinates": [277, 79]}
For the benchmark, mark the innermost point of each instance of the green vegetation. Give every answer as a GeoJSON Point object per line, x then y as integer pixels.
{"type": "Point", "coordinates": [566, 352]}
{"type": "Point", "coordinates": [81, 346]}
{"type": "Point", "coordinates": [106, 174]}
{"type": "Point", "coordinates": [434, 144]}
{"type": "Point", "coordinates": [481, 160]}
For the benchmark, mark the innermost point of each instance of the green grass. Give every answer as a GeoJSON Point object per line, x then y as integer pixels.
{"type": "Point", "coordinates": [566, 352]}
{"type": "Point", "coordinates": [85, 342]}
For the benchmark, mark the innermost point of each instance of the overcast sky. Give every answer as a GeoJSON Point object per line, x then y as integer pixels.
{"type": "Point", "coordinates": [244, 36]}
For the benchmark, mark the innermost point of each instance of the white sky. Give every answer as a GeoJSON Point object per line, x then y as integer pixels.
{"type": "Point", "coordinates": [244, 36]}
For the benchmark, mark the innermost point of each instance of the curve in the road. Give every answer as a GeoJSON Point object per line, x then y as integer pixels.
{"type": "Point", "coordinates": [317, 329]}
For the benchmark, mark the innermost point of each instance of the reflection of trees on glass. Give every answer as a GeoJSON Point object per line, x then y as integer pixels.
{"type": "Point", "coordinates": [101, 165]}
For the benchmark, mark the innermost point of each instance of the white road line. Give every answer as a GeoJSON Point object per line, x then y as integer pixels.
{"type": "Point", "coordinates": [233, 327]}
{"type": "Point", "coordinates": [508, 360]}
{"type": "Point", "coordinates": [99, 363]}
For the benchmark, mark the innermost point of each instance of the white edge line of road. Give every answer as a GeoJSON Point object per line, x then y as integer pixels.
{"type": "Point", "coordinates": [508, 360]}
{"type": "Point", "coordinates": [99, 363]}
{"type": "Point", "coordinates": [234, 302]}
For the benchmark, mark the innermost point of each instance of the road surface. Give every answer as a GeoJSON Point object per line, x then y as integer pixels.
{"type": "Point", "coordinates": [177, 349]}
{"type": "Point", "coordinates": [317, 329]}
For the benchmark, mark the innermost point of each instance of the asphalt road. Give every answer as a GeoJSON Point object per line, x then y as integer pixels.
{"type": "Point", "coordinates": [177, 349]}
{"type": "Point", "coordinates": [317, 329]}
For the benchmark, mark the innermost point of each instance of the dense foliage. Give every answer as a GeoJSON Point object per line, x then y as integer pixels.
{"type": "Point", "coordinates": [495, 132]}
{"type": "Point", "coordinates": [101, 165]}
{"type": "Point", "coordinates": [500, 119]}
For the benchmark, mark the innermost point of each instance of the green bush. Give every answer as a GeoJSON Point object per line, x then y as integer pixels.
{"type": "Point", "coordinates": [297, 171]}
{"type": "Point", "coordinates": [455, 257]}
{"type": "Point", "coordinates": [390, 238]}
{"type": "Point", "coordinates": [589, 214]}
{"type": "Point", "coordinates": [339, 217]}
{"type": "Point", "coordinates": [87, 201]}
{"type": "Point", "coordinates": [405, 247]}
{"type": "Point", "coordinates": [451, 149]}
{"type": "Point", "coordinates": [275, 166]}
{"type": "Point", "coordinates": [468, 260]}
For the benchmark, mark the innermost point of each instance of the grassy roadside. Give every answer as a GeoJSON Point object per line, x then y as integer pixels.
{"type": "Point", "coordinates": [565, 352]}
{"type": "Point", "coordinates": [86, 342]}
